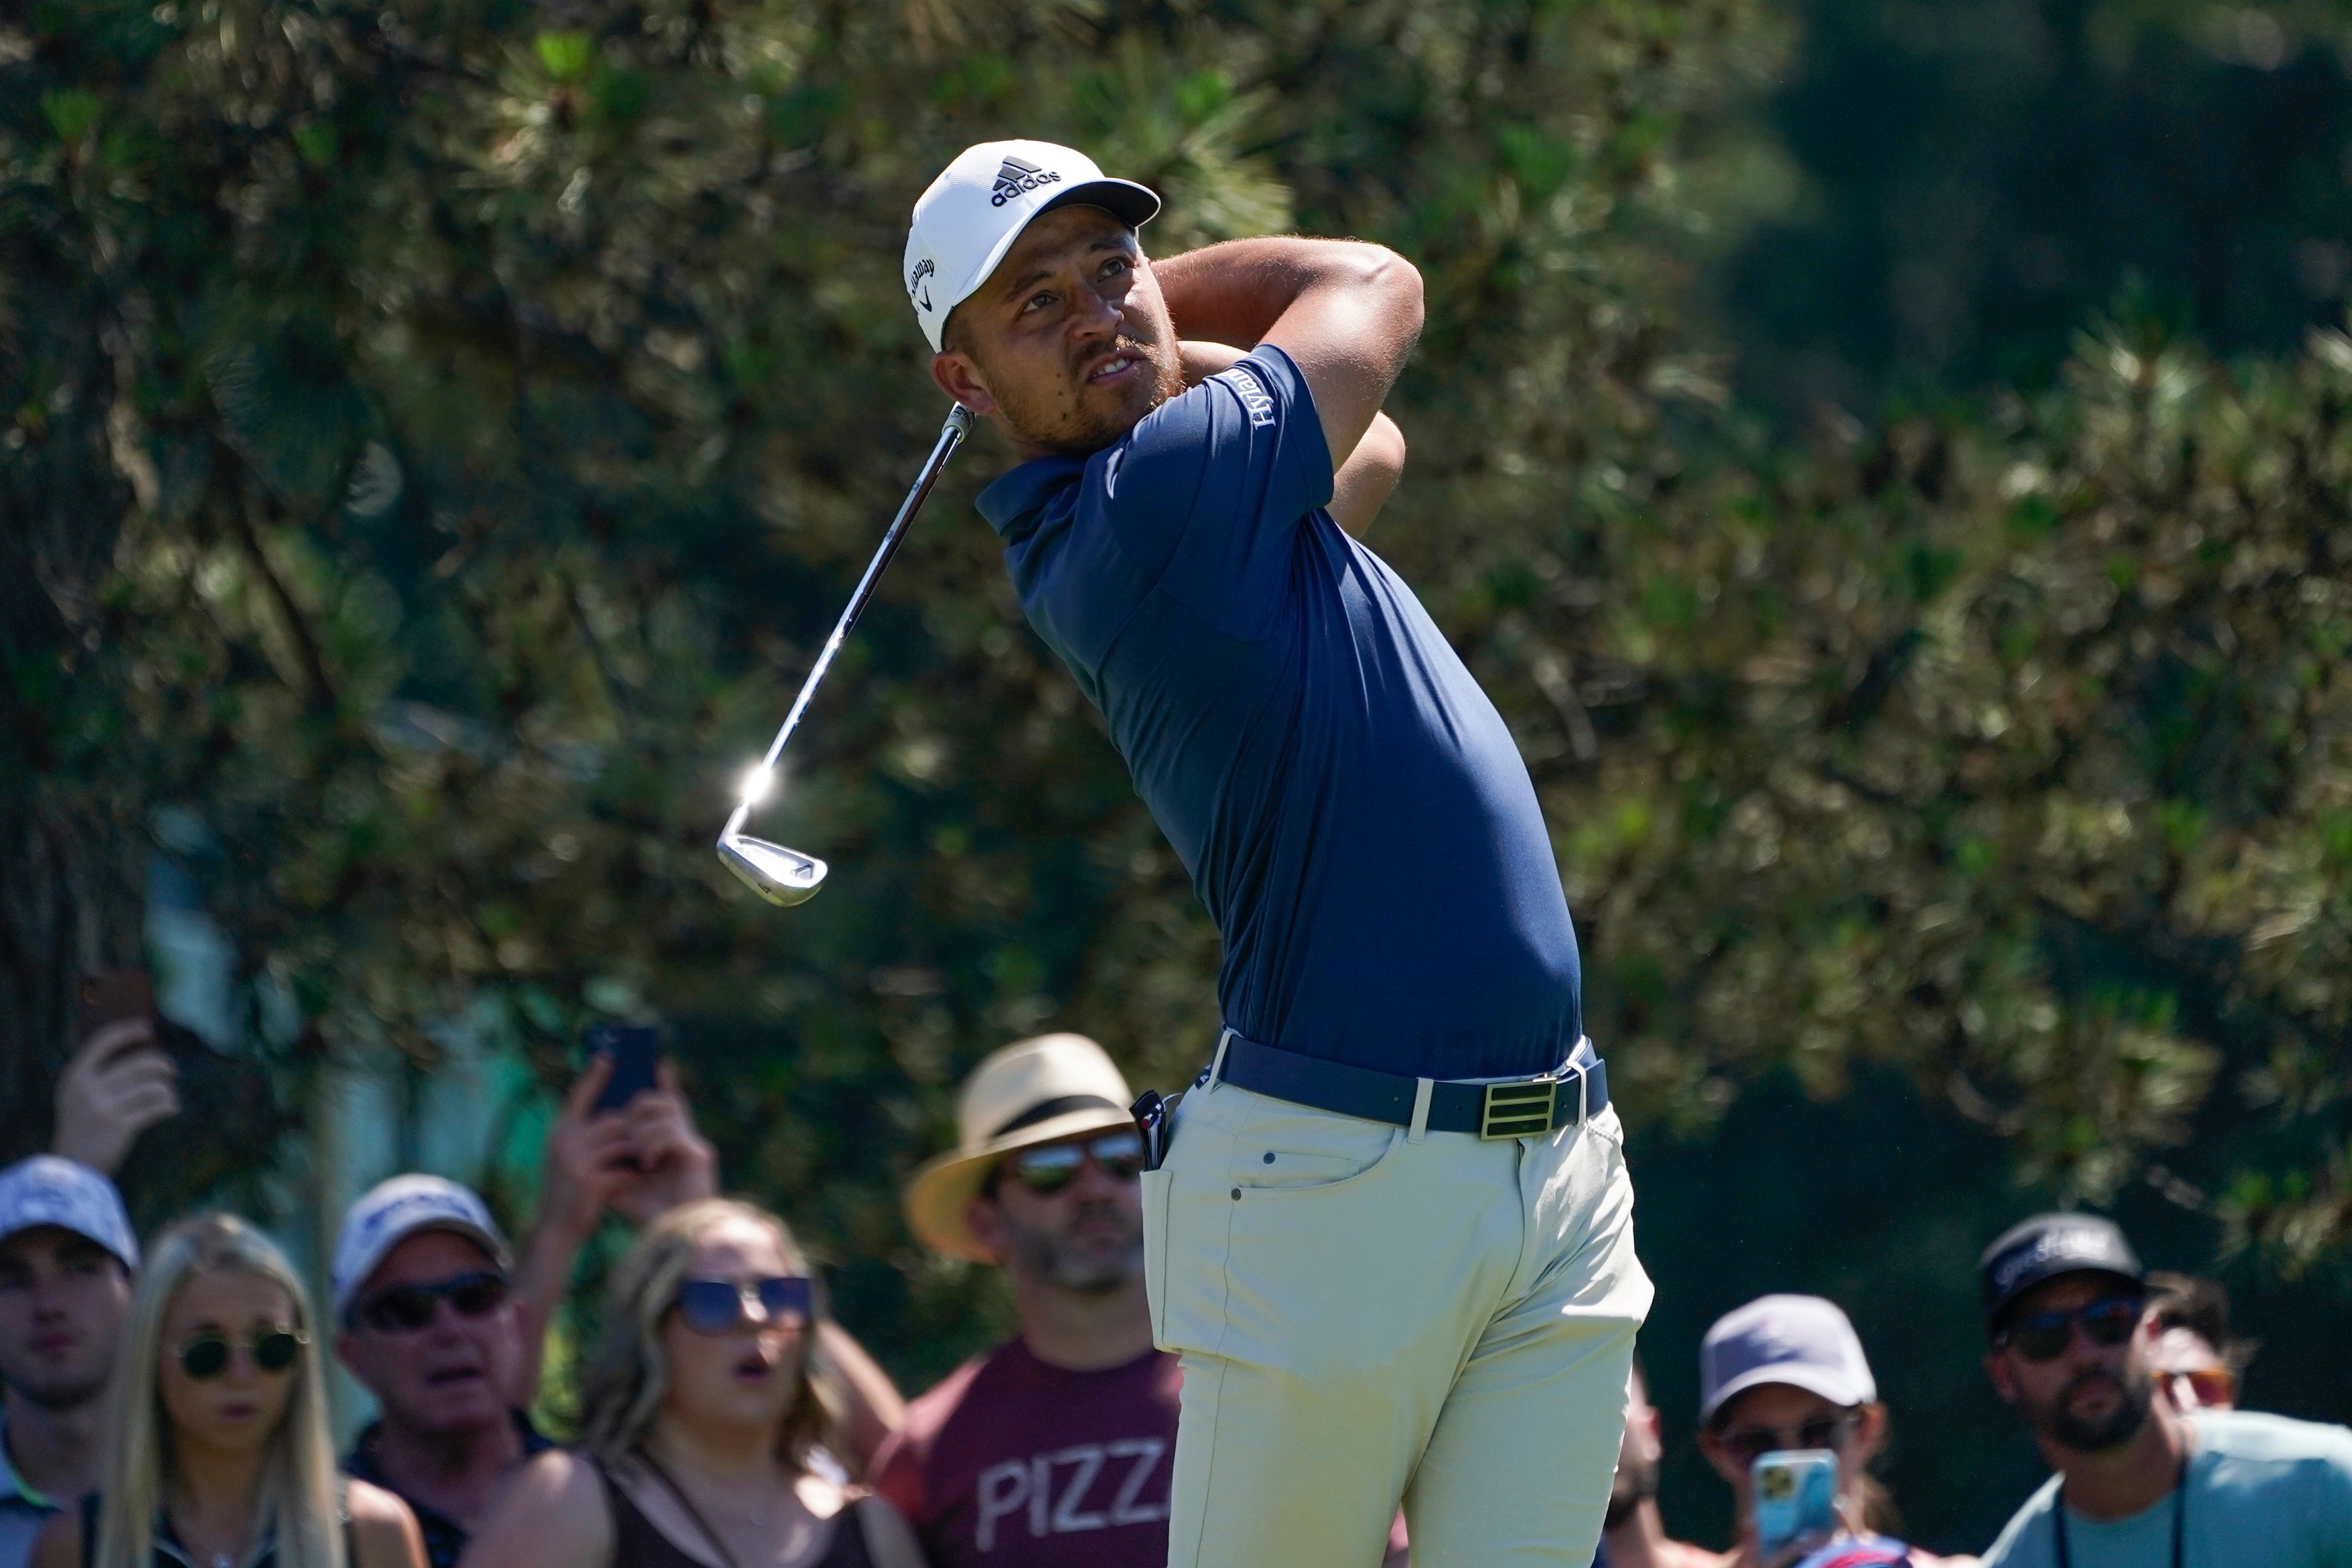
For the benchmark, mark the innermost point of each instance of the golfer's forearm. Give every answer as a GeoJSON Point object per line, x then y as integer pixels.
{"type": "Point", "coordinates": [1235, 292]}
{"type": "Point", "coordinates": [1365, 481]}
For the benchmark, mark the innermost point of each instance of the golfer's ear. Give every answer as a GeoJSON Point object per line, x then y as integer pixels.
{"type": "Point", "coordinates": [959, 379]}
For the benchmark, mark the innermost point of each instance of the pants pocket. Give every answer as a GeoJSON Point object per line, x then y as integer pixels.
{"type": "Point", "coordinates": [1154, 1195]}
{"type": "Point", "coordinates": [1280, 1148]}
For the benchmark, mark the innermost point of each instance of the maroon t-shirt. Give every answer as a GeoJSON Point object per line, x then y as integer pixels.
{"type": "Point", "coordinates": [1010, 1463]}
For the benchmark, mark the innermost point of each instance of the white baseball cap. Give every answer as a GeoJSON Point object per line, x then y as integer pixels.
{"type": "Point", "coordinates": [46, 1190]}
{"type": "Point", "coordinates": [392, 1211]}
{"type": "Point", "coordinates": [979, 203]}
{"type": "Point", "coordinates": [1801, 1340]}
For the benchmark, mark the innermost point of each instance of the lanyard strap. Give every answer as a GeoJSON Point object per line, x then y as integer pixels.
{"type": "Point", "coordinates": [2179, 1517]}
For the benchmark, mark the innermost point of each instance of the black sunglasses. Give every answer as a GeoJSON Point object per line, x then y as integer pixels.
{"type": "Point", "coordinates": [206, 1358]}
{"type": "Point", "coordinates": [716, 1306]}
{"type": "Point", "coordinates": [2044, 1336]}
{"type": "Point", "coordinates": [404, 1308]}
{"type": "Point", "coordinates": [1050, 1167]}
{"type": "Point", "coordinates": [1752, 1443]}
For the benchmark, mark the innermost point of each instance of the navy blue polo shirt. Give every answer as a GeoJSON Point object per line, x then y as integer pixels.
{"type": "Point", "coordinates": [1352, 808]}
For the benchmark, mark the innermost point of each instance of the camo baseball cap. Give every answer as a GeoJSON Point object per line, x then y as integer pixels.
{"type": "Point", "coordinates": [978, 207]}
{"type": "Point", "coordinates": [2047, 1245]}
{"type": "Point", "coordinates": [46, 1190]}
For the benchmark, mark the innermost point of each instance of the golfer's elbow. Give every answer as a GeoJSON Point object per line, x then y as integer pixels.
{"type": "Point", "coordinates": [1377, 271]}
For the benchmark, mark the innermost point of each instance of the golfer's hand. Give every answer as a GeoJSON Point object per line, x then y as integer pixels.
{"type": "Point", "coordinates": [587, 1161]}
{"type": "Point", "coordinates": [676, 1164]}
{"type": "Point", "coordinates": [118, 1085]}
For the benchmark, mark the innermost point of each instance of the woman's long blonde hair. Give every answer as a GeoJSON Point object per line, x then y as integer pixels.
{"type": "Point", "coordinates": [300, 1503]}
{"type": "Point", "coordinates": [624, 1386]}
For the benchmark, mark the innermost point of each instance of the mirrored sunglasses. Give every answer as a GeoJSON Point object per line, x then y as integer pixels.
{"type": "Point", "coordinates": [2044, 1336]}
{"type": "Point", "coordinates": [404, 1308]}
{"type": "Point", "coordinates": [273, 1353]}
{"type": "Point", "coordinates": [1050, 1167]}
{"type": "Point", "coordinates": [716, 1306]}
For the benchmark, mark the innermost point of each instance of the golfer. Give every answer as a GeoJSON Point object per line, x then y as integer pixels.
{"type": "Point", "coordinates": [1392, 1238]}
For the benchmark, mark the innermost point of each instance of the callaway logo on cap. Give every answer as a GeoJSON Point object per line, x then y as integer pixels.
{"type": "Point", "coordinates": [979, 203]}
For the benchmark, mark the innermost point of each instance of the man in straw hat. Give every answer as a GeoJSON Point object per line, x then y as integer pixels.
{"type": "Point", "coordinates": [1393, 1239]}
{"type": "Point", "coordinates": [1052, 1450]}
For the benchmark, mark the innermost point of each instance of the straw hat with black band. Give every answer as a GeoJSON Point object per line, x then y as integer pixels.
{"type": "Point", "coordinates": [1036, 1092]}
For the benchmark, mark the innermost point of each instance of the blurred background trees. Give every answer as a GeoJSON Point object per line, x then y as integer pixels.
{"type": "Point", "coordinates": [436, 435]}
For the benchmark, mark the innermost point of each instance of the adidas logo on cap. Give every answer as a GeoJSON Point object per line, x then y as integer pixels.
{"type": "Point", "coordinates": [1019, 175]}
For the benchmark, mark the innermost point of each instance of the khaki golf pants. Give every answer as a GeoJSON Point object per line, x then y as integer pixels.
{"type": "Point", "coordinates": [1366, 1317]}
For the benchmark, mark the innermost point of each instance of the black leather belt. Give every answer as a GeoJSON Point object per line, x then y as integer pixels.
{"type": "Point", "coordinates": [1520, 1108]}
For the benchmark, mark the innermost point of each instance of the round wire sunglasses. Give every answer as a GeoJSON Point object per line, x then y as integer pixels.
{"type": "Point", "coordinates": [208, 1355]}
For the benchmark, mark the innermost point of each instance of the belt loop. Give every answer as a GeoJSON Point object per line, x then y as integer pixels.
{"type": "Point", "coordinates": [1217, 1064]}
{"type": "Point", "coordinates": [1424, 1090]}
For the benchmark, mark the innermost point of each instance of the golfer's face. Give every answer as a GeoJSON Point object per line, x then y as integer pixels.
{"type": "Point", "coordinates": [1069, 336]}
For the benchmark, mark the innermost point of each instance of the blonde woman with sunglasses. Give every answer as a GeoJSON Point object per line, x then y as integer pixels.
{"type": "Point", "coordinates": [705, 1418]}
{"type": "Point", "coordinates": [221, 1454]}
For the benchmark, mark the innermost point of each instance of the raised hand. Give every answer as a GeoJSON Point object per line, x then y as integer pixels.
{"type": "Point", "coordinates": [674, 1164]}
{"type": "Point", "coordinates": [119, 1084]}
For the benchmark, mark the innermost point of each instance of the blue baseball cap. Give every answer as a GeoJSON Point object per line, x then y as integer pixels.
{"type": "Point", "coordinates": [46, 1190]}
{"type": "Point", "coordinates": [2047, 1245]}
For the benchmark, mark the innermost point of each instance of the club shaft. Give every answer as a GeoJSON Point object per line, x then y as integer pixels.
{"type": "Point", "coordinates": [952, 434]}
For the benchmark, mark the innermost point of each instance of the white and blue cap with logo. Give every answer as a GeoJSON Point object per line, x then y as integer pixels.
{"type": "Point", "coordinates": [1801, 1340]}
{"type": "Point", "coordinates": [392, 1211]}
{"type": "Point", "coordinates": [46, 1190]}
{"type": "Point", "coordinates": [978, 207]}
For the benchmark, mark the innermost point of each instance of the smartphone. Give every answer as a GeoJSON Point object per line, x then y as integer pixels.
{"type": "Point", "coordinates": [109, 997]}
{"type": "Point", "coordinates": [636, 1050]}
{"type": "Point", "coordinates": [1796, 1498]}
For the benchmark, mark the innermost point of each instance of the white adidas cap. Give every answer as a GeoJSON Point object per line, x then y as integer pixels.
{"type": "Point", "coordinates": [979, 203]}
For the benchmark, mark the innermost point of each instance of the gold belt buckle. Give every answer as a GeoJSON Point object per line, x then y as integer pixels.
{"type": "Point", "coordinates": [1520, 1109]}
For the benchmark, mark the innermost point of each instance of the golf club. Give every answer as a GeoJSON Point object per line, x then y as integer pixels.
{"type": "Point", "coordinates": [787, 876]}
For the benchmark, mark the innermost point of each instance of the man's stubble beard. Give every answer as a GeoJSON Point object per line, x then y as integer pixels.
{"type": "Point", "coordinates": [60, 1393]}
{"type": "Point", "coordinates": [2137, 1390]}
{"type": "Point", "coordinates": [1047, 1255]}
{"type": "Point", "coordinates": [1034, 426]}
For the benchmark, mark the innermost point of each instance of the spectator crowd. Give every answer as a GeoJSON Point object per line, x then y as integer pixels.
{"type": "Point", "coordinates": [165, 1404]}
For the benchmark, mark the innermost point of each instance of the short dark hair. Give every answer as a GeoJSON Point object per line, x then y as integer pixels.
{"type": "Point", "coordinates": [2200, 1306]}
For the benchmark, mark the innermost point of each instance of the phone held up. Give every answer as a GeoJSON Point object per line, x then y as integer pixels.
{"type": "Point", "coordinates": [636, 1050]}
{"type": "Point", "coordinates": [1796, 1498]}
{"type": "Point", "coordinates": [110, 997]}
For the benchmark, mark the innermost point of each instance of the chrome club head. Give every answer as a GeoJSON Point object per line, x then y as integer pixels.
{"type": "Point", "coordinates": [787, 876]}
{"type": "Point", "coordinates": [782, 877]}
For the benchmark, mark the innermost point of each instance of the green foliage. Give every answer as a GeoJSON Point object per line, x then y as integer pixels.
{"type": "Point", "coordinates": [1952, 187]}
{"type": "Point", "coordinates": [434, 445]}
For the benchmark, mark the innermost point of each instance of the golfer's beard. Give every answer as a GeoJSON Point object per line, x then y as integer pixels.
{"type": "Point", "coordinates": [1636, 1483]}
{"type": "Point", "coordinates": [1057, 1259]}
{"type": "Point", "coordinates": [2061, 1426]}
{"type": "Point", "coordinates": [1040, 422]}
